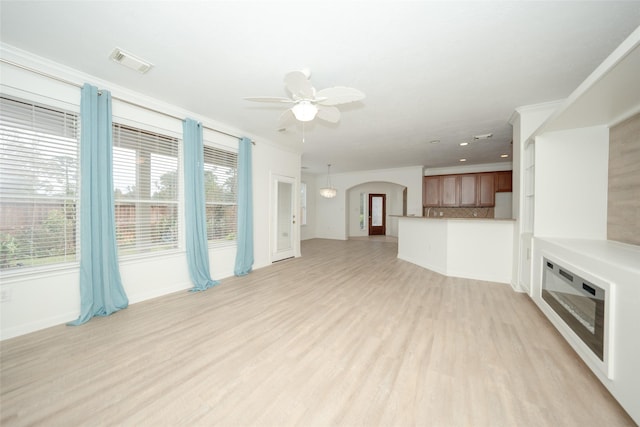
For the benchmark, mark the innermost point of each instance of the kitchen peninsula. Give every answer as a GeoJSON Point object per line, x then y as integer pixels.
{"type": "Point", "coordinates": [474, 248]}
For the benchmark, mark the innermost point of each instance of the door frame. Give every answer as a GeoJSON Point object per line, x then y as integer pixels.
{"type": "Point", "coordinates": [384, 214]}
{"type": "Point", "coordinates": [275, 254]}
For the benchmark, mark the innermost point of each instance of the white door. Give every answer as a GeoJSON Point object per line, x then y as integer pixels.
{"type": "Point", "coordinates": [283, 218]}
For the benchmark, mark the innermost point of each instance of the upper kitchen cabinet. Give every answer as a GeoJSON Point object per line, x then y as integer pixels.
{"type": "Point", "coordinates": [486, 190]}
{"type": "Point", "coordinates": [504, 181]}
{"type": "Point", "coordinates": [464, 190]}
{"type": "Point", "coordinates": [431, 191]}
{"type": "Point", "coordinates": [468, 190]}
{"type": "Point", "coordinates": [449, 189]}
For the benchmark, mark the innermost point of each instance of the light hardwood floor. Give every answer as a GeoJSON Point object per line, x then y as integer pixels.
{"type": "Point", "coordinates": [346, 335]}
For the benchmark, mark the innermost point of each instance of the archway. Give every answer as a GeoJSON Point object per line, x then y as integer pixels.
{"type": "Point", "coordinates": [357, 200]}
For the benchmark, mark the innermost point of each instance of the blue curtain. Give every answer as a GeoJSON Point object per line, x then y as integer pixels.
{"type": "Point", "coordinates": [244, 256]}
{"type": "Point", "coordinates": [101, 291]}
{"type": "Point", "coordinates": [195, 208]}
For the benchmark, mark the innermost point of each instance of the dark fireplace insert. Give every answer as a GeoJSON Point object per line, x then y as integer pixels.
{"type": "Point", "coordinates": [578, 302]}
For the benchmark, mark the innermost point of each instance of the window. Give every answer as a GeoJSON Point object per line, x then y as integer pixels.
{"type": "Point", "coordinates": [38, 184]}
{"type": "Point", "coordinates": [145, 178]}
{"type": "Point", "coordinates": [363, 210]}
{"type": "Point", "coordinates": [303, 203]}
{"type": "Point", "coordinates": [220, 184]}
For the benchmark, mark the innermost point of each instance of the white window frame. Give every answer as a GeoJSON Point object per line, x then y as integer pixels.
{"type": "Point", "coordinates": [153, 159]}
{"type": "Point", "coordinates": [51, 145]}
{"type": "Point", "coordinates": [217, 158]}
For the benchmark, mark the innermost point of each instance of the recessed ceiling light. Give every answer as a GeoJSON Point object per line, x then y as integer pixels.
{"type": "Point", "coordinates": [463, 160]}
{"type": "Point", "coordinates": [504, 156]}
{"type": "Point", "coordinates": [464, 143]}
{"type": "Point", "coordinates": [435, 141]}
{"type": "Point", "coordinates": [483, 136]}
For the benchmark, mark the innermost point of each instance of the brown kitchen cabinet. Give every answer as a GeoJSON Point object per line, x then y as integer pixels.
{"type": "Point", "coordinates": [449, 191]}
{"type": "Point", "coordinates": [462, 190]}
{"type": "Point", "coordinates": [468, 190]}
{"type": "Point", "coordinates": [486, 190]}
{"type": "Point", "coordinates": [431, 191]}
{"type": "Point", "coordinates": [440, 191]}
{"type": "Point", "coordinates": [504, 181]}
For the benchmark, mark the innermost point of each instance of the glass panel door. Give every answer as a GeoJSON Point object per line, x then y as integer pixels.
{"type": "Point", "coordinates": [283, 219]}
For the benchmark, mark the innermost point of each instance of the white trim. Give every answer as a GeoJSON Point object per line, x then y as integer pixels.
{"type": "Point", "coordinates": [486, 167]}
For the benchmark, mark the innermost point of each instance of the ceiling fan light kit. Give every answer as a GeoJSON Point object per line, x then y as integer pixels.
{"type": "Point", "coordinates": [309, 103]}
{"type": "Point", "coordinates": [305, 111]}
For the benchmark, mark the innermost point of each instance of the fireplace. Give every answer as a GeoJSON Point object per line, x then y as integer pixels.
{"type": "Point", "coordinates": [578, 302]}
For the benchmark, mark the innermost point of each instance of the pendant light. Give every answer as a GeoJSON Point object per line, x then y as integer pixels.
{"type": "Point", "coordinates": [328, 192]}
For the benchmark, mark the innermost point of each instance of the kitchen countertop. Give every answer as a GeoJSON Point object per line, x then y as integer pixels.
{"type": "Point", "coordinates": [451, 219]}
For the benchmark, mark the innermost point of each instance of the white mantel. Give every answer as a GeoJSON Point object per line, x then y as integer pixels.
{"type": "Point", "coordinates": [618, 266]}
{"type": "Point", "coordinates": [480, 249]}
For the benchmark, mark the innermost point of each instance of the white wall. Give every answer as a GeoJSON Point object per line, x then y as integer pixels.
{"type": "Point", "coordinates": [476, 248]}
{"type": "Point", "coordinates": [308, 231]}
{"type": "Point", "coordinates": [480, 249]}
{"type": "Point", "coordinates": [424, 242]}
{"type": "Point", "coordinates": [50, 295]}
{"type": "Point", "coordinates": [284, 164]}
{"type": "Point", "coordinates": [571, 183]}
{"type": "Point", "coordinates": [331, 214]}
{"type": "Point", "coordinates": [393, 198]}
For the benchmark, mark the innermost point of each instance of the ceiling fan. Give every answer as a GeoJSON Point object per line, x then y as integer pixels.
{"type": "Point", "coordinates": [309, 103]}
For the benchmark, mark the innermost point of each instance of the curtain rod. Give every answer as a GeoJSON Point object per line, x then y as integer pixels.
{"type": "Point", "coordinates": [69, 82]}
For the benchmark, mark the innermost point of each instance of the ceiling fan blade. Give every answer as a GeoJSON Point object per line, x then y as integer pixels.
{"type": "Point", "coordinates": [329, 114]}
{"type": "Point", "coordinates": [269, 99]}
{"type": "Point", "coordinates": [339, 95]}
{"type": "Point", "coordinates": [299, 85]}
{"type": "Point", "coordinates": [286, 119]}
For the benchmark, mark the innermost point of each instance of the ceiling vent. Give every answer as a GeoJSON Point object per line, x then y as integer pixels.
{"type": "Point", "coordinates": [130, 61]}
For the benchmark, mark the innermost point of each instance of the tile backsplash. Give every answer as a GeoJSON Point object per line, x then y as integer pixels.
{"type": "Point", "coordinates": [460, 212]}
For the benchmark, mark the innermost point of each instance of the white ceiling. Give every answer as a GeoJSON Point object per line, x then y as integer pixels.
{"type": "Point", "coordinates": [430, 70]}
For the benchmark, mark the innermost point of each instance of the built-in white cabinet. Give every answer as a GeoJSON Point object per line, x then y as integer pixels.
{"type": "Point", "coordinates": [561, 175]}
{"type": "Point", "coordinates": [525, 121]}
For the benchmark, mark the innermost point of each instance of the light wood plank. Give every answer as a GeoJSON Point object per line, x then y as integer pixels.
{"type": "Point", "coordinates": [623, 213]}
{"type": "Point", "coordinates": [346, 335]}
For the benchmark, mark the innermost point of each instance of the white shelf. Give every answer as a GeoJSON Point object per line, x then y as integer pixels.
{"type": "Point", "coordinates": [619, 255]}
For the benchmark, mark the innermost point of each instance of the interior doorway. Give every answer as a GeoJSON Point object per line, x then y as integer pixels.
{"type": "Point", "coordinates": [377, 214]}
{"type": "Point", "coordinates": [284, 218]}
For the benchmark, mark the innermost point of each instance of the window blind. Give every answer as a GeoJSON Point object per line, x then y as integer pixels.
{"type": "Point", "coordinates": [220, 182]}
{"type": "Point", "coordinates": [145, 177]}
{"type": "Point", "coordinates": [38, 184]}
